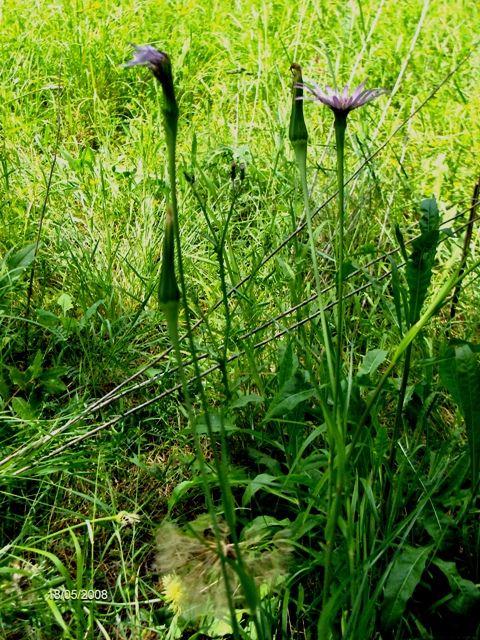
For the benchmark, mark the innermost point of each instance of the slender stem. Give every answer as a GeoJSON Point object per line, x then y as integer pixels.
{"type": "Point", "coordinates": [337, 453]}
{"type": "Point", "coordinates": [398, 421]}
{"type": "Point", "coordinates": [227, 500]}
{"type": "Point", "coordinates": [340, 126]}
{"type": "Point", "coordinates": [301, 156]}
{"type": "Point", "coordinates": [223, 285]}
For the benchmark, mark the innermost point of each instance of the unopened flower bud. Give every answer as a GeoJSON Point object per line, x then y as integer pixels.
{"type": "Point", "coordinates": [298, 130]}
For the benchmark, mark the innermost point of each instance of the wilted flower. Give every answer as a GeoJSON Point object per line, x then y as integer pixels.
{"type": "Point", "coordinates": [159, 63]}
{"type": "Point", "coordinates": [192, 570]}
{"type": "Point", "coordinates": [124, 518]}
{"type": "Point", "coordinates": [341, 101]}
{"type": "Point", "coordinates": [147, 56]}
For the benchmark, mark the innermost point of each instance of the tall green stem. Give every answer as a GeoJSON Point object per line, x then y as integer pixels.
{"type": "Point", "coordinates": [340, 126]}
{"type": "Point", "coordinates": [387, 495]}
{"type": "Point", "coordinates": [301, 156]}
{"type": "Point", "coordinates": [338, 418]}
{"type": "Point", "coordinates": [170, 113]}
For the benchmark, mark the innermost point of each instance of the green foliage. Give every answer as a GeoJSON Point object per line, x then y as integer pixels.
{"type": "Point", "coordinates": [461, 375]}
{"type": "Point", "coordinates": [465, 594]}
{"type": "Point", "coordinates": [92, 419]}
{"type": "Point", "coordinates": [12, 268]}
{"type": "Point", "coordinates": [421, 259]}
{"type": "Point", "coordinates": [404, 577]}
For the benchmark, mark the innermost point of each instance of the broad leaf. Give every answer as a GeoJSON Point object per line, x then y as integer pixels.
{"type": "Point", "coordinates": [292, 393]}
{"type": "Point", "coordinates": [244, 400]}
{"type": "Point", "coordinates": [465, 593]}
{"type": "Point", "coordinates": [23, 409]}
{"type": "Point", "coordinates": [17, 263]}
{"type": "Point", "coordinates": [461, 376]}
{"type": "Point", "coordinates": [404, 577]}
{"type": "Point", "coordinates": [420, 261]}
{"type": "Point", "coordinates": [371, 361]}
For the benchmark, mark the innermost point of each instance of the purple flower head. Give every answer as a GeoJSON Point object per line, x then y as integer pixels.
{"type": "Point", "coordinates": [147, 56]}
{"type": "Point", "coordinates": [339, 101]}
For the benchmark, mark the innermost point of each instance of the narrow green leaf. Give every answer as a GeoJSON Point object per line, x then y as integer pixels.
{"type": "Point", "coordinates": [289, 403]}
{"type": "Point", "coordinates": [17, 263]}
{"type": "Point", "coordinates": [261, 481]}
{"type": "Point", "coordinates": [404, 577]}
{"type": "Point", "coordinates": [287, 365]}
{"type": "Point", "coordinates": [448, 373]}
{"type": "Point", "coordinates": [401, 243]}
{"type": "Point", "coordinates": [58, 617]}
{"type": "Point", "coordinates": [244, 400]}
{"type": "Point", "coordinates": [398, 294]}
{"type": "Point", "coordinates": [292, 393]}
{"type": "Point", "coordinates": [180, 490]}
{"type": "Point", "coordinates": [380, 444]}
{"type": "Point", "coordinates": [217, 423]}
{"type": "Point", "coordinates": [461, 375]}
{"type": "Point", "coordinates": [35, 369]}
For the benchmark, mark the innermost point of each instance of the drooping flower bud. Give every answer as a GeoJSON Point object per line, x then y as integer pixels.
{"type": "Point", "coordinates": [159, 63]}
{"type": "Point", "coordinates": [298, 130]}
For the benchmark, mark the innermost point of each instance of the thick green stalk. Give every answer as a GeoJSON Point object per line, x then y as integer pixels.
{"type": "Point", "coordinates": [299, 139]}
{"type": "Point", "coordinates": [298, 136]}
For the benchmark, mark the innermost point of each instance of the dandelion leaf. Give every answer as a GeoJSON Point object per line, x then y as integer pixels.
{"type": "Point", "coordinates": [404, 577]}
{"type": "Point", "coordinates": [465, 593]}
{"type": "Point", "coordinates": [421, 259]}
{"type": "Point", "coordinates": [461, 375]}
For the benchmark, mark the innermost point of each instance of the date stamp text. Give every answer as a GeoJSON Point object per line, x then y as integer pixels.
{"type": "Point", "coordinates": [77, 594]}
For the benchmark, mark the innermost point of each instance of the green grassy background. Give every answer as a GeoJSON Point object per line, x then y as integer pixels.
{"type": "Point", "coordinates": [103, 230]}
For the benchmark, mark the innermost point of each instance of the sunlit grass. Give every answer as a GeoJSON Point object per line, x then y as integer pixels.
{"type": "Point", "coordinates": [102, 239]}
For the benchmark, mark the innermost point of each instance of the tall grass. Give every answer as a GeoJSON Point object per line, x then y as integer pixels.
{"type": "Point", "coordinates": [107, 468]}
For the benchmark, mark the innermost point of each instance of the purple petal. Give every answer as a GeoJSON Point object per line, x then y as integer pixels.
{"type": "Point", "coordinates": [145, 56]}
{"type": "Point", "coordinates": [358, 91]}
